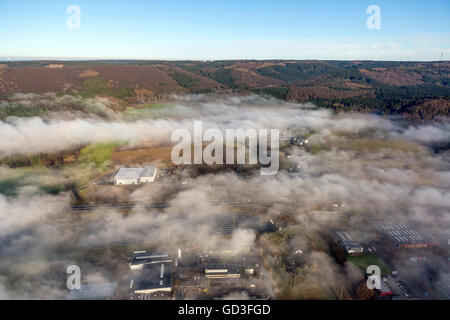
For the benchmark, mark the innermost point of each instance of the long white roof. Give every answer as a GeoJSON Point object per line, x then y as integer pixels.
{"type": "Point", "coordinates": [135, 173]}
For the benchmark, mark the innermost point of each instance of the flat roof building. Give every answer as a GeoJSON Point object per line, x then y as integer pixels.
{"type": "Point", "coordinates": [351, 246]}
{"type": "Point", "coordinates": [130, 176]}
{"type": "Point", "coordinates": [404, 236]}
{"type": "Point", "coordinates": [153, 278]}
{"type": "Point", "coordinates": [141, 258]}
{"type": "Point", "coordinates": [217, 271]}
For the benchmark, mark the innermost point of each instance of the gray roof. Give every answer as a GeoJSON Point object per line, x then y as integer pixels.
{"type": "Point", "coordinates": [148, 171]}
{"type": "Point", "coordinates": [403, 234]}
{"type": "Point", "coordinates": [144, 257]}
{"type": "Point", "coordinates": [346, 239]}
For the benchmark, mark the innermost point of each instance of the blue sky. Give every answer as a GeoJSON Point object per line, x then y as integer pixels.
{"type": "Point", "coordinates": [231, 29]}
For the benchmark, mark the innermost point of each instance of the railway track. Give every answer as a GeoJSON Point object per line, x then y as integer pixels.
{"type": "Point", "coordinates": [131, 205]}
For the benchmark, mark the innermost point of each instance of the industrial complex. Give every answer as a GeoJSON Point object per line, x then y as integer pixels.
{"type": "Point", "coordinates": [194, 273]}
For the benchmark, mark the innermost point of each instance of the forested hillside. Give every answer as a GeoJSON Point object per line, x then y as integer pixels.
{"type": "Point", "coordinates": [418, 91]}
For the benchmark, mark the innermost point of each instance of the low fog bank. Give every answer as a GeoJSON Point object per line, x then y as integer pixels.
{"type": "Point", "coordinates": [65, 130]}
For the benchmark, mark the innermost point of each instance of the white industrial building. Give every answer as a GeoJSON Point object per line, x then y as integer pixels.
{"type": "Point", "coordinates": [141, 258]}
{"type": "Point", "coordinates": [130, 176]}
{"type": "Point", "coordinates": [222, 272]}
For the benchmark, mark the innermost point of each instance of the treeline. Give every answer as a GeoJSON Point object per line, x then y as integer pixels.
{"type": "Point", "coordinates": [292, 72]}
{"type": "Point", "coordinates": [60, 158]}
{"type": "Point", "coordinates": [389, 100]}
{"type": "Point", "coordinates": [184, 80]}
{"type": "Point", "coordinates": [19, 110]}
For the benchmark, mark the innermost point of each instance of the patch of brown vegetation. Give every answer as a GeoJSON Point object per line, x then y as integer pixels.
{"type": "Point", "coordinates": [429, 110]}
{"type": "Point", "coordinates": [7, 86]}
{"type": "Point", "coordinates": [254, 65]}
{"type": "Point", "coordinates": [54, 66]}
{"type": "Point", "coordinates": [144, 95]}
{"type": "Point", "coordinates": [203, 82]}
{"type": "Point", "coordinates": [149, 77]}
{"type": "Point", "coordinates": [125, 156]}
{"type": "Point", "coordinates": [394, 77]}
{"type": "Point", "coordinates": [89, 74]}
{"type": "Point", "coordinates": [355, 85]}
{"type": "Point", "coordinates": [107, 193]}
{"type": "Point", "coordinates": [40, 80]}
{"type": "Point", "coordinates": [249, 78]}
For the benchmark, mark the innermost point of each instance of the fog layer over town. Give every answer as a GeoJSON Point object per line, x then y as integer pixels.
{"type": "Point", "coordinates": [367, 167]}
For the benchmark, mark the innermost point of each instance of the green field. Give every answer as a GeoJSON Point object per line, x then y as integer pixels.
{"type": "Point", "coordinates": [93, 159]}
{"type": "Point", "coordinates": [362, 262]}
{"type": "Point", "coordinates": [317, 148]}
{"type": "Point", "coordinates": [99, 154]}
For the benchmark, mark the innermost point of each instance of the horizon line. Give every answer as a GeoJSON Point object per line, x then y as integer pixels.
{"type": "Point", "coordinates": [74, 59]}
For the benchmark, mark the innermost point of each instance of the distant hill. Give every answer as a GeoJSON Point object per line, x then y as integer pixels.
{"type": "Point", "coordinates": [419, 91]}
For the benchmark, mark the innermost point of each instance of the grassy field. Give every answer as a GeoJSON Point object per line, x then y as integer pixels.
{"type": "Point", "coordinates": [93, 160]}
{"type": "Point", "coordinates": [99, 154]}
{"type": "Point", "coordinates": [317, 148]}
{"type": "Point", "coordinates": [363, 262]}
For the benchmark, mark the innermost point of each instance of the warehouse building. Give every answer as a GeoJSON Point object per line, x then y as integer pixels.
{"type": "Point", "coordinates": [216, 271]}
{"type": "Point", "coordinates": [351, 247]}
{"type": "Point", "coordinates": [130, 176]}
{"type": "Point", "coordinates": [403, 236]}
{"type": "Point", "coordinates": [141, 258]}
{"type": "Point", "coordinates": [154, 277]}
